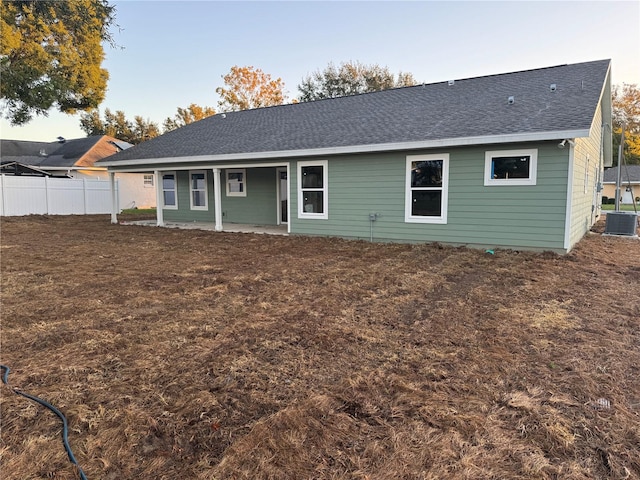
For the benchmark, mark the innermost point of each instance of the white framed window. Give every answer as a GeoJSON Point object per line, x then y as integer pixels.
{"type": "Point", "coordinates": [169, 190]}
{"type": "Point", "coordinates": [313, 198]}
{"type": "Point", "coordinates": [198, 189]}
{"type": "Point", "coordinates": [236, 182]}
{"type": "Point", "coordinates": [426, 188]}
{"type": "Point", "coordinates": [147, 180]}
{"type": "Point", "coordinates": [586, 174]}
{"type": "Point", "coordinates": [510, 167]}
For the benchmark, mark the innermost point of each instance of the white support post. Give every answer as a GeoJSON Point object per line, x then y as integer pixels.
{"type": "Point", "coordinates": [289, 190]}
{"type": "Point", "coordinates": [159, 198]}
{"type": "Point", "coordinates": [217, 195]}
{"type": "Point", "coordinates": [114, 197]}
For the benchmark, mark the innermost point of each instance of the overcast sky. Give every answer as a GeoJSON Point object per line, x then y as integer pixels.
{"type": "Point", "coordinates": [174, 53]}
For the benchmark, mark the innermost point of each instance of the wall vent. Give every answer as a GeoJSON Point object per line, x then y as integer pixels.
{"type": "Point", "coordinates": [621, 223]}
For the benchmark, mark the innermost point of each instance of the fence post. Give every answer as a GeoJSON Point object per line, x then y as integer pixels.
{"type": "Point", "coordinates": [46, 195]}
{"type": "Point", "coordinates": [84, 195]}
{"type": "Point", "coordinates": [4, 195]}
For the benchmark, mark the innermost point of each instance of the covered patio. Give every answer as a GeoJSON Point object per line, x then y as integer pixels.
{"type": "Point", "coordinates": [211, 226]}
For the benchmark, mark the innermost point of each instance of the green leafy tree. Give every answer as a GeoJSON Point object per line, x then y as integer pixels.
{"type": "Point", "coordinates": [249, 87]}
{"type": "Point", "coordinates": [350, 78]}
{"type": "Point", "coordinates": [116, 125]}
{"type": "Point", "coordinates": [185, 116]}
{"type": "Point", "coordinates": [51, 55]}
{"type": "Point", "coordinates": [626, 110]}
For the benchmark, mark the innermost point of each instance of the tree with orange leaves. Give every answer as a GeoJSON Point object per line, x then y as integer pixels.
{"type": "Point", "coordinates": [249, 87]}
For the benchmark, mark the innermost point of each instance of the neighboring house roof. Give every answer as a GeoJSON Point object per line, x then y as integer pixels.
{"type": "Point", "coordinates": [17, 168]}
{"type": "Point", "coordinates": [548, 103]}
{"type": "Point", "coordinates": [628, 173]}
{"type": "Point", "coordinates": [79, 152]}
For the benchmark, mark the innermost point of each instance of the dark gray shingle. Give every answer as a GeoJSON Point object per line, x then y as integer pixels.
{"type": "Point", "coordinates": [475, 107]}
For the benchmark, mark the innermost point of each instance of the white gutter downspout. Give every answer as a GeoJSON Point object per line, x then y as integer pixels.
{"type": "Point", "coordinates": [159, 198]}
{"type": "Point", "coordinates": [217, 199]}
{"type": "Point", "coordinates": [114, 197]}
{"type": "Point", "coordinates": [569, 210]}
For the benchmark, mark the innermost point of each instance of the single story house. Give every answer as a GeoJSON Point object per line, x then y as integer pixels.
{"type": "Point", "coordinates": [76, 158]}
{"type": "Point", "coordinates": [511, 160]}
{"type": "Point", "coordinates": [629, 183]}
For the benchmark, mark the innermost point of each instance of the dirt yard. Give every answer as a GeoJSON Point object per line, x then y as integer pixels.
{"type": "Point", "coordinates": [183, 354]}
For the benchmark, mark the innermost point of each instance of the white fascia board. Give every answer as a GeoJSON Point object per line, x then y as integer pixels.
{"type": "Point", "coordinates": [66, 169]}
{"type": "Point", "coordinates": [369, 148]}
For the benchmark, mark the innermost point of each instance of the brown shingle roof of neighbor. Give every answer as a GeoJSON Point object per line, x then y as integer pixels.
{"type": "Point", "coordinates": [555, 99]}
{"type": "Point", "coordinates": [78, 152]}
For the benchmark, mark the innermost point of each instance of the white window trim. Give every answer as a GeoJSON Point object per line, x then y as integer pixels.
{"type": "Point", "coordinates": [586, 174]}
{"type": "Point", "coordinates": [532, 153]}
{"type": "Point", "coordinates": [145, 183]}
{"type": "Point", "coordinates": [191, 190]}
{"type": "Point", "coordinates": [442, 219]}
{"type": "Point", "coordinates": [325, 189]}
{"type": "Point", "coordinates": [243, 171]}
{"type": "Point", "coordinates": [175, 190]}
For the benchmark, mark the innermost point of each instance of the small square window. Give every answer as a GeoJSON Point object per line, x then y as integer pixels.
{"type": "Point", "coordinates": [236, 183]}
{"type": "Point", "coordinates": [510, 167]}
{"type": "Point", "coordinates": [148, 181]}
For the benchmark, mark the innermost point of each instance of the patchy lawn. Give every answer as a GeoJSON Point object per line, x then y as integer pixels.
{"type": "Point", "coordinates": [200, 355]}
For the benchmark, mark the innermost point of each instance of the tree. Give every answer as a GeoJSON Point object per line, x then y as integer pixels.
{"type": "Point", "coordinates": [626, 109]}
{"type": "Point", "coordinates": [188, 115]}
{"type": "Point", "coordinates": [51, 55]}
{"type": "Point", "coordinates": [350, 78]}
{"type": "Point", "coordinates": [116, 125]}
{"type": "Point", "coordinates": [249, 87]}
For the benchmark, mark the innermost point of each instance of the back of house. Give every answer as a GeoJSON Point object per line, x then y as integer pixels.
{"type": "Point", "coordinates": [511, 160]}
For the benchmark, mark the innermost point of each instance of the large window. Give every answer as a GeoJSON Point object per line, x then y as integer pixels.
{"type": "Point", "coordinates": [426, 188]}
{"type": "Point", "coordinates": [198, 187]}
{"type": "Point", "coordinates": [169, 190]}
{"type": "Point", "coordinates": [511, 167]}
{"type": "Point", "coordinates": [312, 190]}
{"type": "Point", "coordinates": [236, 182]}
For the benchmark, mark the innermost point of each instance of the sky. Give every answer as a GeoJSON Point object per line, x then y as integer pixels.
{"type": "Point", "coordinates": [174, 53]}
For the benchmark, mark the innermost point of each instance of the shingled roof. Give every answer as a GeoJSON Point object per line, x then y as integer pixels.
{"type": "Point", "coordinates": [78, 152]}
{"type": "Point", "coordinates": [547, 103]}
{"type": "Point", "coordinates": [628, 173]}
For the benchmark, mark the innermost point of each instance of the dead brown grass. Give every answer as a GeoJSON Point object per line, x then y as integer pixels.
{"type": "Point", "coordinates": [189, 354]}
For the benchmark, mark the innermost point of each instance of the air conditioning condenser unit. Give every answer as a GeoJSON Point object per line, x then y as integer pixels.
{"type": "Point", "coordinates": [621, 223]}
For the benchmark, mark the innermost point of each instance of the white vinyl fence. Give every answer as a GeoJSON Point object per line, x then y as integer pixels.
{"type": "Point", "coordinates": [21, 195]}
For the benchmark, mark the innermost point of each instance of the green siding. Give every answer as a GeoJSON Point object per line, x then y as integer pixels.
{"type": "Point", "coordinates": [258, 207]}
{"type": "Point", "coordinates": [184, 213]}
{"type": "Point", "coordinates": [497, 216]}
